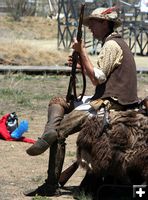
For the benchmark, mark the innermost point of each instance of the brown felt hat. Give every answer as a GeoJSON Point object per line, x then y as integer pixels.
{"type": "Point", "coordinates": [108, 14]}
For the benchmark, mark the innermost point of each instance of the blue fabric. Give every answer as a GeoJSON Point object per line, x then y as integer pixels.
{"type": "Point", "coordinates": [22, 128]}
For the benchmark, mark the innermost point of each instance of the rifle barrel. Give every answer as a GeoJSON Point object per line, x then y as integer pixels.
{"type": "Point", "coordinates": [75, 58]}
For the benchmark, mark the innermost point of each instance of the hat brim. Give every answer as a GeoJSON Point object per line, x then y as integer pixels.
{"type": "Point", "coordinates": [86, 21]}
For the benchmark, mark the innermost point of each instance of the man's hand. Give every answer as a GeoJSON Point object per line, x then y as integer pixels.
{"type": "Point", "coordinates": [78, 46]}
{"type": "Point", "coordinates": [70, 62]}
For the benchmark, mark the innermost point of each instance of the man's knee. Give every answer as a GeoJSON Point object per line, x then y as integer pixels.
{"type": "Point", "coordinates": [72, 123]}
{"type": "Point", "coordinates": [68, 107]}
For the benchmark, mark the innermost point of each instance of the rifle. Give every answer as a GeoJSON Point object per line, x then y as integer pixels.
{"type": "Point", "coordinates": [71, 92]}
{"type": "Point", "coordinates": [72, 95]}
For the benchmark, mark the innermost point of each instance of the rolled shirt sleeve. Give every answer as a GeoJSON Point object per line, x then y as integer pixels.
{"type": "Point", "coordinates": [109, 58]}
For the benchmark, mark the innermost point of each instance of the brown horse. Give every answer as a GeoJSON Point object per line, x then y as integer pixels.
{"type": "Point", "coordinates": [117, 154]}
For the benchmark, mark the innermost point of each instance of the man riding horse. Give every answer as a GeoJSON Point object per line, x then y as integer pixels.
{"type": "Point", "coordinates": [114, 78]}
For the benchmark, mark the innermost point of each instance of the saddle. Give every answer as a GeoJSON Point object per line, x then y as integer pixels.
{"type": "Point", "coordinates": [141, 106]}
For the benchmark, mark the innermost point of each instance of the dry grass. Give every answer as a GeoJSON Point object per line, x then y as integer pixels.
{"type": "Point", "coordinates": [30, 42]}
{"type": "Point", "coordinates": [33, 41]}
{"type": "Point", "coordinates": [29, 28]}
{"type": "Point", "coordinates": [22, 52]}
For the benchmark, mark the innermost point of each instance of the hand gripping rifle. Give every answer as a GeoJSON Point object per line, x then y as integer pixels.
{"type": "Point", "coordinates": [71, 92]}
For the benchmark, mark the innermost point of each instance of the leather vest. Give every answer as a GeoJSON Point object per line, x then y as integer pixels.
{"type": "Point", "coordinates": [122, 82]}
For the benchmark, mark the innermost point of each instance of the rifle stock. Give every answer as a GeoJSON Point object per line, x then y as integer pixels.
{"type": "Point", "coordinates": [67, 173]}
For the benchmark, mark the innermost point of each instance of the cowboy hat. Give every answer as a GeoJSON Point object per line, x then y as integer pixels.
{"type": "Point", "coordinates": [108, 14]}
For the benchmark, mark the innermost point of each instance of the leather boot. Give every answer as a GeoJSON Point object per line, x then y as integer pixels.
{"type": "Point", "coordinates": [55, 115]}
{"type": "Point", "coordinates": [55, 165]}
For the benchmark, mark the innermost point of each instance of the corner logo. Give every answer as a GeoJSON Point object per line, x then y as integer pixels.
{"type": "Point", "coordinates": [139, 191]}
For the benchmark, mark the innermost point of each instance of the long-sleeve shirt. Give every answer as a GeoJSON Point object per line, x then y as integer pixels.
{"type": "Point", "coordinates": [109, 58]}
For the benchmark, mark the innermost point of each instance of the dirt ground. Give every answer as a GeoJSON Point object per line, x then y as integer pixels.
{"type": "Point", "coordinates": [28, 96]}
{"type": "Point", "coordinates": [20, 172]}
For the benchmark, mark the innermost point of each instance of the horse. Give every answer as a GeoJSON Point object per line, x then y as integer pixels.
{"type": "Point", "coordinates": [116, 154]}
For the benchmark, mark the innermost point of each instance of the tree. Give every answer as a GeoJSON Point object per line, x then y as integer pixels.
{"type": "Point", "coordinates": [19, 8]}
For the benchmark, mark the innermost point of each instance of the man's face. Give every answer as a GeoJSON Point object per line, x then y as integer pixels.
{"type": "Point", "coordinates": [98, 28]}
